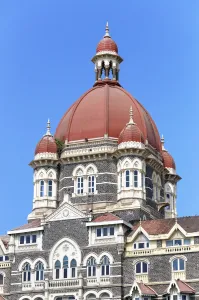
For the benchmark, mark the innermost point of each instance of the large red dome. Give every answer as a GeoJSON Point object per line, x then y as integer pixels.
{"type": "Point", "coordinates": [104, 109]}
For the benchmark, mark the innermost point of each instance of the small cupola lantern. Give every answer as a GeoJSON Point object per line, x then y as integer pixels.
{"type": "Point", "coordinates": [107, 59]}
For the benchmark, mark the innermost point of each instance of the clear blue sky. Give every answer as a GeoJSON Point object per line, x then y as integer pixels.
{"type": "Point", "coordinates": [45, 52]}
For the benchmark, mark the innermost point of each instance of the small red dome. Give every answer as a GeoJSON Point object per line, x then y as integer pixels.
{"type": "Point", "coordinates": [107, 44]}
{"type": "Point", "coordinates": [131, 132]}
{"type": "Point", "coordinates": [168, 160]}
{"type": "Point", "coordinates": [46, 144]}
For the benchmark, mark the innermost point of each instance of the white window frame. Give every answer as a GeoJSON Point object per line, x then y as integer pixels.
{"type": "Point", "coordinates": [102, 236]}
{"type": "Point", "coordinates": [136, 245]}
{"type": "Point", "coordinates": [176, 245]}
{"type": "Point", "coordinates": [141, 268]}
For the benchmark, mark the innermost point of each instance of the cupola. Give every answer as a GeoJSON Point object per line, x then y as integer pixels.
{"type": "Point", "coordinates": [47, 147]}
{"type": "Point", "coordinates": [168, 160]}
{"type": "Point", "coordinates": [107, 60]}
{"type": "Point", "coordinates": [131, 135]}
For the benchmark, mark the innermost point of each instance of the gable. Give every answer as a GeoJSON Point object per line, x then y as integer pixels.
{"type": "Point", "coordinates": [141, 238]}
{"type": "Point", "coordinates": [66, 211]}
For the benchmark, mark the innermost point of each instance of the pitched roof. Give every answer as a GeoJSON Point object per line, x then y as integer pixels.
{"type": "Point", "coordinates": [163, 226]}
{"type": "Point", "coordinates": [32, 224]}
{"type": "Point", "coordinates": [5, 239]}
{"type": "Point", "coordinates": [106, 218]}
{"type": "Point", "coordinates": [145, 289]}
{"type": "Point", "coordinates": [184, 287]}
{"type": "Point", "coordinates": [1, 298]}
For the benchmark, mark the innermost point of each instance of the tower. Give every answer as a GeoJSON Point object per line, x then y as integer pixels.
{"type": "Point", "coordinates": [44, 165]}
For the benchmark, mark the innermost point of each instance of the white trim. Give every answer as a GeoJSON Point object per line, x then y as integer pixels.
{"type": "Point", "coordinates": [109, 223]}
{"type": "Point", "coordinates": [26, 230]}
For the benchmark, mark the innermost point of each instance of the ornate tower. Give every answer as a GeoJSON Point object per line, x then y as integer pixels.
{"type": "Point", "coordinates": [45, 176]}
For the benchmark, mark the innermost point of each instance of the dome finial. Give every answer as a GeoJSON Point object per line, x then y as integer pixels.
{"type": "Point", "coordinates": [107, 30]}
{"type": "Point", "coordinates": [162, 142]}
{"type": "Point", "coordinates": [48, 128]}
{"type": "Point", "coordinates": [131, 116]}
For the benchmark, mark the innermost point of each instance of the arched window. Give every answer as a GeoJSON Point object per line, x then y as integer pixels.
{"type": "Point", "coordinates": [141, 267]}
{"type": "Point", "coordinates": [39, 271]}
{"type": "Point", "coordinates": [50, 188]}
{"type": "Point", "coordinates": [65, 266]}
{"type": "Point", "coordinates": [41, 188]}
{"type": "Point", "coordinates": [73, 266]}
{"type": "Point", "coordinates": [178, 264]}
{"type": "Point", "coordinates": [91, 267]}
{"type": "Point", "coordinates": [27, 272]}
{"type": "Point", "coordinates": [127, 178]}
{"type": "Point", "coordinates": [105, 296]}
{"type": "Point", "coordinates": [105, 266]}
{"type": "Point", "coordinates": [57, 269]}
{"type": "Point", "coordinates": [90, 296]}
{"type": "Point", "coordinates": [1, 279]}
{"type": "Point", "coordinates": [135, 178]}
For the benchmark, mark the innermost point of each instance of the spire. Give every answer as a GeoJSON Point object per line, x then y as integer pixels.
{"type": "Point", "coordinates": [48, 128]}
{"type": "Point", "coordinates": [107, 30]}
{"type": "Point", "coordinates": [162, 142]}
{"type": "Point", "coordinates": [131, 116]}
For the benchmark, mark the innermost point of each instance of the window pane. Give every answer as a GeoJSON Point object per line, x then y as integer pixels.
{"type": "Point", "coordinates": [181, 264]}
{"type": "Point", "coordinates": [140, 245]}
{"type": "Point", "coordinates": [175, 297]}
{"type": "Point", "coordinates": [65, 273]}
{"type": "Point", "coordinates": [22, 239]}
{"type": "Point", "coordinates": [103, 270]}
{"type": "Point", "coordinates": [175, 265]}
{"type": "Point", "coordinates": [187, 242]}
{"type": "Point", "coordinates": [6, 257]}
{"type": "Point", "coordinates": [73, 272]}
{"type": "Point", "coordinates": [37, 275]}
{"type": "Point", "coordinates": [144, 267]}
{"type": "Point", "coordinates": [135, 178]}
{"type": "Point", "coordinates": [183, 297]}
{"type": "Point", "coordinates": [94, 271]}
{"type": "Point", "coordinates": [34, 238]}
{"type": "Point", "coordinates": [105, 231]}
{"type": "Point", "coordinates": [111, 230]}
{"type": "Point", "coordinates": [28, 239]}
{"type": "Point", "coordinates": [127, 178]}
{"type": "Point", "coordinates": [24, 276]}
{"type": "Point", "coordinates": [107, 270]}
{"type": "Point", "coordinates": [138, 268]}
{"type": "Point", "coordinates": [178, 242]}
{"type": "Point", "coordinates": [57, 273]}
{"type": "Point", "coordinates": [50, 188]}
{"type": "Point", "coordinates": [28, 276]}
{"type": "Point", "coordinates": [134, 246]}
{"type": "Point", "coordinates": [89, 271]}
{"type": "Point", "coordinates": [147, 244]}
{"type": "Point", "coordinates": [169, 243]}
{"type": "Point", "coordinates": [1, 279]}
{"type": "Point", "coordinates": [98, 231]}
{"type": "Point", "coordinates": [1, 258]}
{"type": "Point", "coordinates": [41, 188]}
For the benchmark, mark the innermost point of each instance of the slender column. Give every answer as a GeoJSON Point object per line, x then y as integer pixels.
{"type": "Point", "coordinates": [114, 73]}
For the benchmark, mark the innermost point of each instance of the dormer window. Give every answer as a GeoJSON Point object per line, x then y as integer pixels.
{"type": "Point", "coordinates": [105, 231]}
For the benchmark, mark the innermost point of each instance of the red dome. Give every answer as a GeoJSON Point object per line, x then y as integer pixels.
{"type": "Point", "coordinates": [131, 133]}
{"type": "Point", "coordinates": [104, 110]}
{"type": "Point", "coordinates": [107, 44]}
{"type": "Point", "coordinates": [168, 160]}
{"type": "Point", "coordinates": [46, 144]}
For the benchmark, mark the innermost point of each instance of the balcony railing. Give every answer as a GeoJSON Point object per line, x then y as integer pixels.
{"type": "Point", "coordinates": [4, 265]}
{"type": "Point", "coordinates": [142, 277]}
{"type": "Point", "coordinates": [179, 275]}
{"type": "Point", "coordinates": [64, 283]}
{"type": "Point", "coordinates": [160, 251]}
{"type": "Point", "coordinates": [105, 280]}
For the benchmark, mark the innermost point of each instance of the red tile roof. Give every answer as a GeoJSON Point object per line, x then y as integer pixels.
{"type": "Point", "coordinates": [106, 218]}
{"type": "Point", "coordinates": [184, 287]}
{"type": "Point", "coordinates": [146, 290]}
{"type": "Point", "coordinates": [1, 298]}
{"type": "Point", "coordinates": [33, 224]}
{"type": "Point", "coordinates": [168, 160]}
{"type": "Point", "coordinates": [163, 226]}
{"type": "Point", "coordinates": [46, 144]}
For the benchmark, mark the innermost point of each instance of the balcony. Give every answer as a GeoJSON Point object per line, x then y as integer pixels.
{"type": "Point", "coordinates": [142, 277]}
{"type": "Point", "coordinates": [179, 275]}
{"type": "Point", "coordinates": [4, 265]}
{"type": "Point", "coordinates": [38, 285]}
{"type": "Point", "coordinates": [69, 283]}
{"type": "Point", "coordinates": [161, 251]}
{"type": "Point", "coordinates": [92, 281]}
{"type": "Point", "coordinates": [105, 280]}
